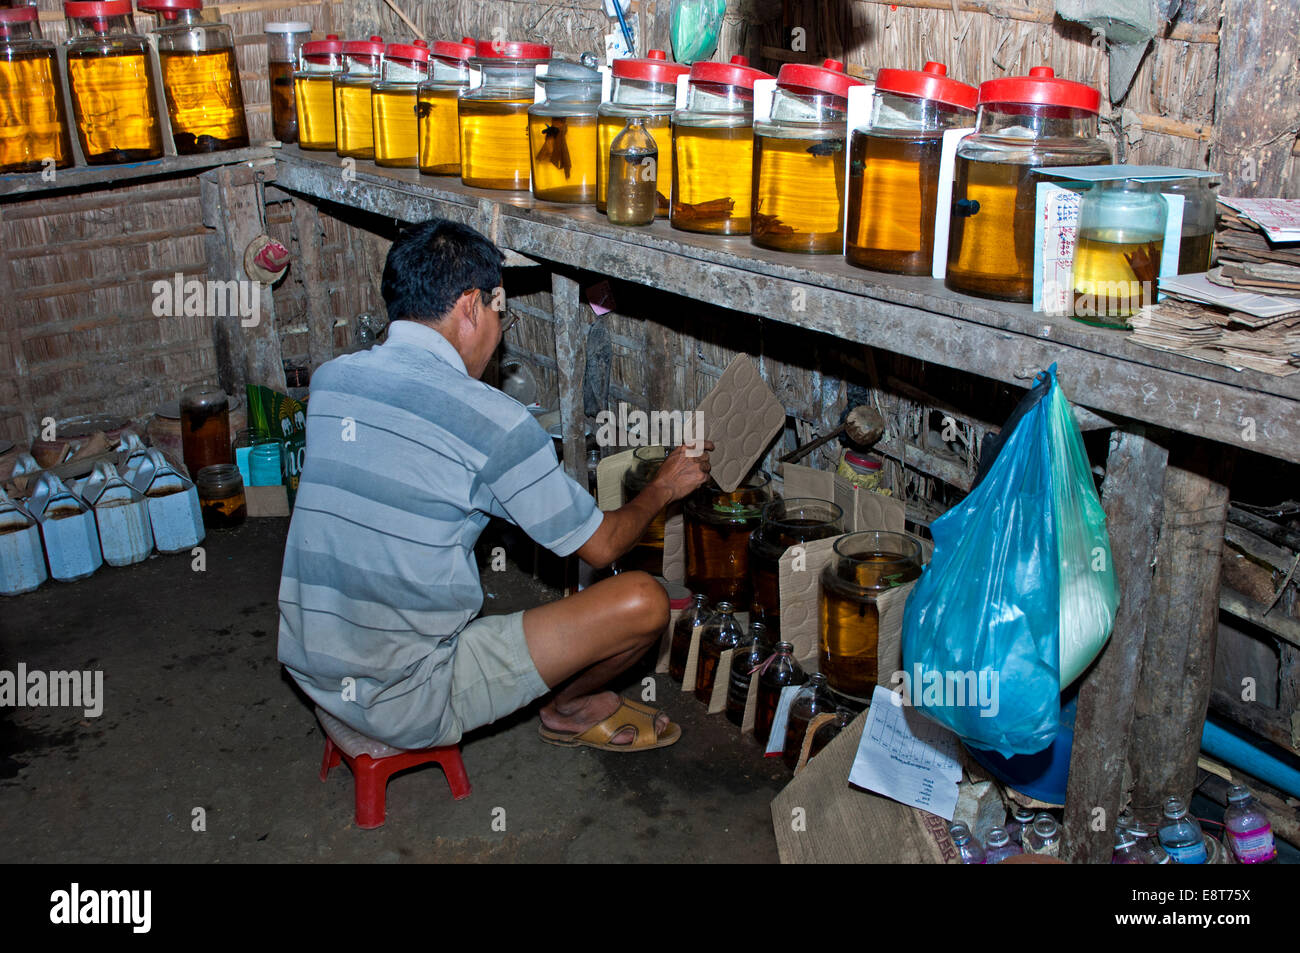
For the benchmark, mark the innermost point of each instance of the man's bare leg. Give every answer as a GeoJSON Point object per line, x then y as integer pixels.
{"type": "Point", "coordinates": [582, 642]}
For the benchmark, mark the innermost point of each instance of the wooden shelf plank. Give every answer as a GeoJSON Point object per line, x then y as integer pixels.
{"type": "Point", "coordinates": [29, 184]}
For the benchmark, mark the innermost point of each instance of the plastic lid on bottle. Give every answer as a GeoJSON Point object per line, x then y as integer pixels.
{"type": "Point", "coordinates": [168, 8]}
{"type": "Point", "coordinates": [1024, 815]}
{"type": "Point", "coordinates": [371, 47]}
{"type": "Point", "coordinates": [1045, 825]}
{"type": "Point", "coordinates": [654, 66]}
{"type": "Point", "coordinates": [451, 50]}
{"type": "Point", "coordinates": [1239, 792]}
{"type": "Point", "coordinates": [288, 26]}
{"type": "Point", "coordinates": [959, 832]}
{"type": "Point", "coordinates": [736, 73]}
{"type": "Point", "coordinates": [22, 14]}
{"type": "Point", "coordinates": [830, 77]}
{"type": "Point", "coordinates": [860, 461]}
{"type": "Point", "coordinates": [1040, 88]}
{"type": "Point", "coordinates": [1174, 806]}
{"type": "Point", "coordinates": [931, 82]}
{"type": "Point", "coordinates": [725, 607]}
{"type": "Point", "coordinates": [508, 50]}
{"type": "Point", "coordinates": [785, 647]}
{"type": "Point", "coordinates": [330, 46]}
{"type": "Point", "coordinates": [417, 52]}
{"type": "Point", "coordinates": [78, 9]}
{"type": "Point", "coordinates": [997, 838]}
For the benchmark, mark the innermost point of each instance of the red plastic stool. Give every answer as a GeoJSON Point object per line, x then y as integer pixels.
{"type": "Point", "coordinates": [373, 763]}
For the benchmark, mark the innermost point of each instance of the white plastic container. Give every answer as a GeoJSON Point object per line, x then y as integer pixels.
{"type": "Point", "coordinates": [174, 511]}
{"type": "Point", "coordinates": [121, 513]}
{"type": "Point", "coordinates": [68, 529]}
{"type": "Point", "coordinates": [22, 557]}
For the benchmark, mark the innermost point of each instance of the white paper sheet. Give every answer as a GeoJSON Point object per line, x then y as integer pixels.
{"type": "Point", "coordinates": [1280, 218]}
{"type": "Point", "coordinates": [1200, 288]}
{"type": "Point", "coordinates": [907, 757]}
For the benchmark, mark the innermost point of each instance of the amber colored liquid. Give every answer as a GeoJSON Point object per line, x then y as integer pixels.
{"type": "Point", "coordinates": [706, 669]}
{"type": "Point", "coordinates": [204, 100]}
{"type": "Point", "coordinates": [205, 439]}
{"type": "Point", "coordinates": [315, 99]}
{"type": "Point", "coordinates": [439, 129]}
{"type": "Point", "coordinates": [32, 125]}
{"type": "Point", "coordinates": [659, 125]}
{"type": "Point", "coordinates": [633, 189]}
{"type": "Point", "coordinates": [563, 150]}
{"type": "Point", "coordinates": [799, 194]}
{"type": "Point", "coordinates": [893, 194]}
{"type": "Point", "coordinates": [1114, 275]}
{"type": "Point", "coordinates": [354, 126]}
{"type": "Point", "coordinates": [796, 726]}
{"type": "Point", "coordinates": [991, 248]}
{"type": "Point", "coordinates": [397, 135]}
{"type": "Point", "coordinates": [765, 561]}
{"type": "Point", "coordinates": [113, 106]}
{"type": "Point", "coordinates": [742, 666]}
{"type": "Point", "coordinates": [494, 144]}
{"type": "Point", "coordinates": [1195, 252]}
{"type": "Point", "coordinates": [850, 625]}
{"type": "Point", "coordinates": [648, 553]}
{"type": "Point", "coordinates": [717, 560]}
{"type": "Point", "coordinates": [223, 514]}
{"type": "Point", "coordinates": [713, 179]}
{"type": "Point", "coordinates": [284, 105]}
{"type": "Point", "coordinates": [769, 696]}
{"type": "Point", "coordinates": [680, 647]}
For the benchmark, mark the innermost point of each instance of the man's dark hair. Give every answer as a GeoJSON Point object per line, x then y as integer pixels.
{"type": "Point", "coordinates": [434, 263]}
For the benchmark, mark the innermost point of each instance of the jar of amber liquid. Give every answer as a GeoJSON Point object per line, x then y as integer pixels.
{"type": "Point", "coordinates": [35, 128]}
{"type": "Point", "coordinates": [313, 87]}
{"type": "Point", "coordinates": [110, 77]}
{"type": "Point", "coordinates": [717, 527]}
{"type": "Point", "coordinates": [1024, 123]}
{"type": "Point", "coordinates": [894, 168]}
{"type": "Point", "coordinates": [1200, 207]}
{"type": "Point", "coordinates": [777, 674]}
{"type": "Point", "coordinates": [562, 134]}
{"type": "Point", "coordinates": [679, 649]}
{"type": "Point", "coordinates": [283, 42]}
{"type": "Point", "coordinates": [439, 96]}
{"type": "Point", "coordinates": [721, 633]}
{"type": "Point", "coordinates": [648, 553]}
{"type": "Point", "coordinates": [864, 566]}
{"type": "Point", "coordinates": [747, 659]}
{"type": "Point", "coordinates": [494, 151]}
{"type": "Point", "coordinates": [200, 77]}
{"type": "Point", "coordinates": [813, 699]}
{"type": "Point", "coordinates": [785, 523]}
{"type": "Point", "coordinates": [1118, 247]}
{"type": "Point", "coordinates": [354, 126]}
{"type": "Point", "coordinates": [221, 496]}
{"type": "Point", "coordinates": [647, 88]}
{"type": "Point", "coordinates": [205, 427]}
{"type": "Point", "coordinates": [713, 150]}
{"type": "Point", "coordinates": [394, 104]}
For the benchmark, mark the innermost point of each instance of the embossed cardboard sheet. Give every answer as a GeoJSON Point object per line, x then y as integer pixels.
{"type": "Point", "coordinates": [741, 416]}
{"type": "Point", "coordinates": [863, 510]}
{"type": "Point", "coordinates": [609, 479]}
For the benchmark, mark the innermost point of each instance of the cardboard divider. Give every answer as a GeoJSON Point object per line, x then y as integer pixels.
{"type": "Point", "coordinates": [609, 479]}
{"type": "Point", "coordinates": [721, 680]}
{"type": "Point", "coordinates": [817, 721]}
{"type": "Point", "coordinates": [692, 661]}
{"type": "Point", "coordinates": [666, 642]}
{"type": "Point", "coordinates": [751, 706]}
{"type": "Point", "coordinates": [799, 579]}
{"type": "Point", "coordinates": [742, 417]}
{"type": "Point", "coordinates": [889, 646]}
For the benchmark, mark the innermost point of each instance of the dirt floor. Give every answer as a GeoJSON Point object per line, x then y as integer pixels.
{"type": "Point", "coordinates": [198, 714]}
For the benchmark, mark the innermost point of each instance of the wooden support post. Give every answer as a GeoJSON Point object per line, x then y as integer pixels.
{"type": "Point", "coordinates": [1182, 626]}
{"type": "Point", "coordinates": [1133, 497]}
{"type": "Point", "coordinates": [570, 360]}
{"type": "Point", "coordinates": [320, 316]}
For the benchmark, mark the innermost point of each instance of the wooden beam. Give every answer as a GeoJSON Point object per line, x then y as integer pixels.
{"type": "Point", "coordinates": [320, 316]}
{"type": "Point", "coordinates": [1272, 724]}
{"type": "Point", "coordinates": [570, 357]}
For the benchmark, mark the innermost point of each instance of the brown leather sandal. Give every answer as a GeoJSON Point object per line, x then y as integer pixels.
{"type": "Point", "coordinates": [640, 718]}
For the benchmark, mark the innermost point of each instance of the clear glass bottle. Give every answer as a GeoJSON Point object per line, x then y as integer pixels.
{"type": "Point", "coordinates": [1200, 216]}
{"type": "Point", "coordinates": [894, 167]}
{"type": "Point", "coordinates": [743, 664]}
{"type": "Point", "coordinates": [813, 699]}
{"type": "Point", "coordinates": [713, 150]}
{"type": "Point", "coordinates": [439, 95]}
{"type": "Point", "coordinates": [827, 731]}
{"type": "Point", "coordinates": [562, 133]}
{"type": "Point", "coordinates": [354, 125]}
{"type": "Point", "coordinates": [969, 848]}
{"type": "Point", "coordinates": [1024, 123]}
{"type": "Point", "coordinates": [679, 648]}
{"type": "Point", "coordinates": [221, 496]}
{"type": "Point", "coordinates": [1181, 835]}
{"type": "Point", "coordinates": [722, 632]}
{"type": "Point", "coordinates": [394, 104]}
{"type": "Point", "coordinates": [799, 163]}
{"type": "Point", "coordinates": [114, 103]}
{"type": "Point", "coordinates": [205, 427]}
{"type": "Point", "coordinates": [1248, 831]}
{"type": "Point", "coordinates": [1120, 239]}
{"type": "Point", "coordinates": [864, 566]}
{"type": "Point", "coordinates": [633, 175]}
{"type": "Point", "coordinates": [200, 77]}
{"type": "Point", "coordinates": [283, 43]}
{"type": "Point", "coordinates": [1022, 818]}
{"type": "Point", "coordinates": [648, 553]}
{"type": "Point", "coordinates": [777, 673]}
{"type": "Point", "coordinates": [313, 87]}
{"type": "Point", "coordinates": [644, 87]}
{"type": "Point", "coordinates": [31, 96]}
{"type": "Point", "coordinates": [784, 523]}
{"type": "Point", "coordinates": [999, 846]}
{"type": "Point", "coordinates": [494, 117]}
{"type": "Point", "coordinates": [717, 527]}
{"type": "Point", "coordinates": [1042, 837]}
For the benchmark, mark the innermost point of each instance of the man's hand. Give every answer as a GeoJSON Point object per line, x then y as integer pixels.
{"type": "Point", "coordinates": [685, 470]}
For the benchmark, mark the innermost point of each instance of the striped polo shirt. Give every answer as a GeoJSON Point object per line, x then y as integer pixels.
{"type": "Point", "coordinates": [407, 457]}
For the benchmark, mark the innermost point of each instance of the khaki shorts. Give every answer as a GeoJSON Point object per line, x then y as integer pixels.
{"type": "Point", "coordinates": [492, 674]}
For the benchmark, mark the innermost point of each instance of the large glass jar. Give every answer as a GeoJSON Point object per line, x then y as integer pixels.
{"type": "Point", "coordinates": [894, 167]}
{"type": "Point", "coordinates": [449, 76]}
{"type": "Point", "coordinates": [114, 104]}
{"type": "Point", "coordinates": [1200, 207]}
{"type": "Point", "coordinates": [35, 128]}
{"type": "Point", "coordinates": [221, 496]}
{"type": "Point", "coordinates": [1120, 239]}
{"type": "Point", "coordinates": [722, 632]}
{"type": "Point", "coordinates": [313, 86]}
{"type": "Point", "coordinates": [645, 87]}
{"type": "Point", "coordinates": [354, 125]}
{"type": "Point", "coordinates": [785, 523]}
{"type": "Point", "coordinates": [494, 116]}
{"type": "Point", "coordinates": [205, 427]}
{"type": "Point", "coordinates": [779, 672]}
{"type": "Point", "coordinates": [713, 150]}
{"type": "Point", "coordinates": [283, 42]}
{"type": "Point", "coordinates": [648, 553]}
{"type": "Point", "coordinates": [864, 566]}
{"type": "Point", "coordinates": [717, 526]}
{"type": "Point", "coordinates": [394, 104]}
{"type": "Point", "coordinates": [799, 161]}
{"type": "Point", "coordinates": [562, 134]}
{"type": "Point", "coordinates": [813, 699]}
{"type": "Point", "coordinates": [200, 77]}
{"type": "Point", "coordinates": [1024, 123]}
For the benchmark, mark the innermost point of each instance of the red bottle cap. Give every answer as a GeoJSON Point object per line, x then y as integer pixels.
{"type": "Point", "coordinates": [1040, 88]}
{"type": "Point", "coordinates": [371, 47]}
{"type": "Point", "coordinates": [19, 15]}
{"type": "Point", "coordinates": [323, 49]}
{"type": "Point", "coordinates": [654, 66]}
{"type": "Point", "coordinates": [507, 50]}
{"type": "Point", "coordinates": [417, 52]}
{"type": "Point", "coordinates": [736, 73]}
{"type": "Point", "coordinates": [860, 461]}
{"type": "Point", "coordinates": [830, 77]}
{"type": "Point", "coordinates": [79, 9]}
{"type": "Point", "coordinates": [168, 8]}
{"type": "Point", "coordinates": [450, 50]}
{"type": "Point", "coordinates": [931, 83]}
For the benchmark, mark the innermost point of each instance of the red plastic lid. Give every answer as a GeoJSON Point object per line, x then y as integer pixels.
{"type": "Point", "coordinates": [1040, 88]}
{"type": "Point", "coordinates": [931, 83]}
{"type": "Point", "coordinates": [450, 50]}
{"type": "Point", "coordinates": [77, 9]}
{"type": "Point", "coordinates": [736, 73]}
{"type": "Point", "coordinates": [168, 8]}
{"type": "Point", "coordinates": [19, 15]}
{"type": "Point", "coordinates": [830, 77]}
{"type": "Point", "coordinates": [507, 50]}
{"type": "Point", "coordinates": [860, 461]}
{"type": "Point", "coordinates": [417, 52]}
{"type": "Point", "coordinates": [371, 47]}
{"type": "Point", "coordinates": [330, 46]}
{"type": "Point", "coordinates": [654, 66]}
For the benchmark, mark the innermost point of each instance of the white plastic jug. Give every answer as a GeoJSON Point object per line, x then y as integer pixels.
{"type": "Point", "coordinates": [68, 528]}
{"type": "Point", "coordinates": [22, 558]}
{"type": "Point", "coordinates": [122, 514]}
{"type": "Point", "coordinates": [174, 510]}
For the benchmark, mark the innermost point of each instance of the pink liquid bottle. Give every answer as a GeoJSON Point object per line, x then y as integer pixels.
{"type": "Point", "coordinates": [999, 846]}
{"type": "Point", "coordinates": [1249, 833]}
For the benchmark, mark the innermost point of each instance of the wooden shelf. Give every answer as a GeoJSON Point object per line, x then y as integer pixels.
{"type": "Point", "coordinates": [29, 184]}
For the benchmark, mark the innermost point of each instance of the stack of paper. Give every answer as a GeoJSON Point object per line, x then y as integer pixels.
{"type": "Point", "coordinates": [1253, 249]}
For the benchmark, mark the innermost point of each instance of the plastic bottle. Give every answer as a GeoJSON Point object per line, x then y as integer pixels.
{"type": "Point", "coordinates": [1249, 833]}
{"type": "Point", "coordinates": [1043, 837]}
{"type": "Point", "coordinates": [1181, 835]}
{"type": "Point", "coordinates": [968, 846]}
{"type": "Point", "coordinates": [1000, 846]}
{"type": "Point", "coordinates": [1126, 849]}
{"type": "Point", "coordinates": [1021, 819]}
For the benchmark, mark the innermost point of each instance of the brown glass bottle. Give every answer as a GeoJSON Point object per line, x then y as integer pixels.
{"type": "Point", "coordinates": [813, 699]}
{"type": "Point", "coordinates": [743, 664]}
{"type": "Point", "coordinates": [722, 632]}
{"type": "Point", "coordinates": [780, 672]}
{"type": "Point", "coordinates": [680, 647]}
{"type": "Point", "coordinates": [827, 731]}
{"type": "Point", "coordinates": [205, 427]}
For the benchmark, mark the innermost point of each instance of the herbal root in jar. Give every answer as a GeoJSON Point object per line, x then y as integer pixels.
{"type": "Point", "coordinates": [205, 427]}
{"type": "Point", "coordinates": [633, 176]}
{"type": "Point", "coordinates": [439, 96]}
{"type": "Point", "coordinates": [1120, 240]}
{"type": "Point", "coordinates": [221, 496]}
{"type": "Point", "coordinates": [283, 41]}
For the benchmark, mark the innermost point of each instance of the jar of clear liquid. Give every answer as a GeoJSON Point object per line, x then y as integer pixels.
{"type": "Point", "coordinates": [31, 97]}
{"type": "Point", "coordinates": [439, 95]}
{"type": "Point", "coordinates": [354, 126]}
{"type": "Point", "coordinates": [394, 103]}
{"type": "Point", "coordinates": [1200, 208]}
{"type": "Point", "coordinates": [644, 87]}
{"type": "Point", "coordinates": [494, 117]}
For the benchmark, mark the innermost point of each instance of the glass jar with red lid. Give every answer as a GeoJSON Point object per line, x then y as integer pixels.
{"type": "Point", "coordinates": [31, 97]}
{"type": "Point", "coordinates": [894, 167]}
{"type": "Point", "coordinates": [439, 95]}
{"type": "Point", "coordinates": [494, 116]}
{"type": "Point", "coordinates": [1024, 123]}
{"type": "Point", "coordinates": [645, 87]}
{"type": "Point", "coordinates": [313, 85]}
{"type": "Point", "coordinates": [354, 124]}
{"type": "Point", "coordinates": [394, 104]}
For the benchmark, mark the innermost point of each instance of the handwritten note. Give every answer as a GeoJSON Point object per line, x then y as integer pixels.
{"type": "Point", "coordinates": [1280, 218]}
{"type": "Point", "coordinates": [1056, 224]}
{"type": "Point", "coordinates": [907, 757]}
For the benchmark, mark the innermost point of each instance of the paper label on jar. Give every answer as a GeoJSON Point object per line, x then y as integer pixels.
{"type": "Point", "coordinates": [776, 740]}
{"type": "Point", "coordinates": [1253, 847]}
{"type": "Point", "coordinates": [1189, 854]}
